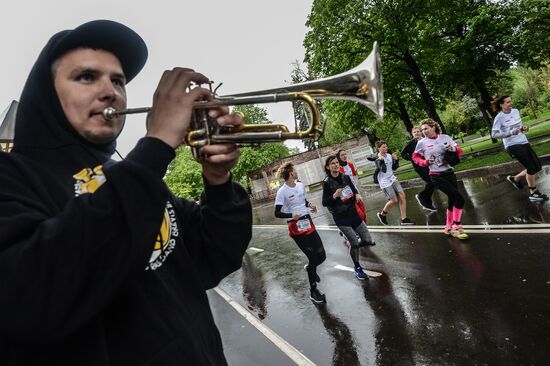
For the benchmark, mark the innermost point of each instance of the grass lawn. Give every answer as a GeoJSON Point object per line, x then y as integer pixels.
{"type": "Point", "coordinates": [485, 160]}
{"type": "Point", "coordinates": [486, 143]}
{"type": "Point", "coordinates": [483, 143]}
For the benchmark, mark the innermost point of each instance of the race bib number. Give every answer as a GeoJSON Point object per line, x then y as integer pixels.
{"type": "Point", "coordinates": [439, 161]}
{"type": "Point", "coordinates": [303, 225]}
{"type": "Point", "coordinates": [347, 193]}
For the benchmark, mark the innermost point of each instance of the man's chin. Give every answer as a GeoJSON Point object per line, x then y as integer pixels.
{"type": "Point", "coordinates": [101, 138]}
{"type": "Point", "coordinates": [103, 135]}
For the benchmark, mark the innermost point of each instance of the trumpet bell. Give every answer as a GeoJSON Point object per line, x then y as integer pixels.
{"type": "Point", "coordinates": [363, 84]}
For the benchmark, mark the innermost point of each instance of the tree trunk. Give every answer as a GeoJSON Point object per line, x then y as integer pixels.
{"type": "Point", "coordinates": [429, 104]}
{"type": "Point", "coordinates": [485, 105]}
{"type": "Point", "coordinates": [404, 115]}
{"type": "Point", "coordinates": [371, 136]}
{"type": "Point", "coordinates": [486, 117]}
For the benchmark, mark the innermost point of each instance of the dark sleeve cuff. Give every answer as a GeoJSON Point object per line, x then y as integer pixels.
{"type": "Point", "coordinates": [153, 154]}
{"type": "Point", "coordinates": [220, 192]}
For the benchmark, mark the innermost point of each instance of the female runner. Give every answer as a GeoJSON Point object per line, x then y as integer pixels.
{"type": "Point", "coordinates": [339, 196]}
{"type": "Point", "coordinates": [291, 204]}
{"type": "Point", "coordinates": [439, 153]}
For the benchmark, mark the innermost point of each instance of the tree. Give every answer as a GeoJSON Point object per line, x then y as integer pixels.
{"type": "Point", "coordinates": [528, 89]}
{"type": "Point", "coordinates": [333, 135]}
{"type": "Point", "coordinates": [254, 158]}
{"type": "Point", "coordinates": [184, 176]}
{"type": "Point", "coordinates": [477, 40]}
{"type": "Point", "coordinates": [533, 37]}
{"type": "Point", "coordinates": [340, 36]}
{"type": "Point", "coordinates": [461, 115]}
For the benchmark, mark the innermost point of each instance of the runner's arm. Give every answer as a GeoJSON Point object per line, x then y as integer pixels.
{"type": "Point", "coordinates": [280, 214]}
{"type": "Point", "coordinates": [419, 159]}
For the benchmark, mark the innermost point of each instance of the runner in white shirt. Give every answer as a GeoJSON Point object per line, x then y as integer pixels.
{"type": "Point", "coordinates": [509, 127]}
{"type": "Point", "coordinates": [439, 153]}
{"type": "Point", "coordinates": [385, 165]}
{"type": "Point", "coordinates": [291, 204]}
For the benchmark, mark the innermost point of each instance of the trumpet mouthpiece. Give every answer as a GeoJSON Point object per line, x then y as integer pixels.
{"type": "Point", "coordinates": [109, 113]}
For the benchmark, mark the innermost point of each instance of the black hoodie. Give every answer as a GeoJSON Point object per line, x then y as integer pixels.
{"type": "Point", "coordinates": [89, 278]}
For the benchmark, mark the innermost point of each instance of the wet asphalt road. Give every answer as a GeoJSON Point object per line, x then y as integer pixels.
{"type": "Point", "coordinates": [440, 301]}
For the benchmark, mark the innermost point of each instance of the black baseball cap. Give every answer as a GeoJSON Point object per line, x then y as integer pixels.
{"type": "Point", "coordinates": [108, 35]}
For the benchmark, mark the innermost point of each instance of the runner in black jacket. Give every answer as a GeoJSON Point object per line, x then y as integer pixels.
{"type": "Point", "coordinates": [424, 198]}
{"type": "Point", "coordinates": [100, 263]}
{"type": "Point", "coordinates": [339, 196]}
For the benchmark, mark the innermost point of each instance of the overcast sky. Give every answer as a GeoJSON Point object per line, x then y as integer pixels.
{"type": "Point", "coordinates": [246, 44]}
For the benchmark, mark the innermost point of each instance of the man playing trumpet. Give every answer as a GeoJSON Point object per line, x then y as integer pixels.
{"type": "Point", "coordinates": [101, 263]}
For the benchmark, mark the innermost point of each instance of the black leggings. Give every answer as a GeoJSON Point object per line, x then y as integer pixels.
{"type": "Point", "coordinates": [312, 246]}
{"type": "Point", "coordinates": [446, 183]}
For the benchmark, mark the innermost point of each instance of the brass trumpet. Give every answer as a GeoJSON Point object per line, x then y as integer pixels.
{"type": "Point", "coordinates": [362, 84]}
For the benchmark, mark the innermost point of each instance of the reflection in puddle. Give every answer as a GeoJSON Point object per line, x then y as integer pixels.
{"type": "Point", "coordinates": [254, 291]}
{"type": "Point", "coordinates": [345, 351]}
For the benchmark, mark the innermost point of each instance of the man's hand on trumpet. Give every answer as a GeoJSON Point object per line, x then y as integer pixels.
{"type": "Point", "coordinates": [170, 115]}
{"type": "Point", "coordinates": [220, 158]}
{"type": "Point", "coordinates": [170, 119]}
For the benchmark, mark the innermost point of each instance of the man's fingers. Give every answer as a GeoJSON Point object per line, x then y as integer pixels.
{"type": "Point", "coordinates": [179, 79]}
{"type": "Point", "coordinates": [220, 111]}
{"type": "Point", "coordinates": [220, 153]}
{"type": "Point", "coordinates": [232, 119]}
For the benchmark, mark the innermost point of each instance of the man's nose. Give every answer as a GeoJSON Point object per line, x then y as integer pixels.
{"type": "Point", "coordinates": [108, 90]}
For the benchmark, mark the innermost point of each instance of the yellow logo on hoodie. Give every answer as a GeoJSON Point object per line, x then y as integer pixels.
{"type": "Point", "coordinates": [88, 180]}
{"type": "Point", "coordinates": [166, 239]}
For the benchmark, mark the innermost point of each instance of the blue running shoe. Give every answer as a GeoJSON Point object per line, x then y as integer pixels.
{"type": "Point", "coordinates": [360, 274]}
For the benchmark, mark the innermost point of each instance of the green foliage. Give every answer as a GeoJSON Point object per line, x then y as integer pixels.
{"type": "Point", "coordinates": [294, 150]}
{"type": "Point", "coordinates": [529, 91]}
{"type": "Point", "coordinates": [333, 135]}
{"type": "Point", "coordinates": [533, 37]}
{"type": "Point", "coordinates": [391, 131]}
{"type": "Point", "coordinates": [253, 158]}
{"type": "Point", "coordinates": [431, 50]}
{"type": "Point", "coordinates": [462, 115]}
{"type": "Point", "coordinates": [184, 176]}
{"type": "Point", "coordinates": [252, 114]}
{"type": "Point", "coordinates": [342, 34]}
{"type": "Point", "coordinates": [452, 56]}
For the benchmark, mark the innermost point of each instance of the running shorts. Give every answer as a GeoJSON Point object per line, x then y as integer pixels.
{"type": "Point", "coordinates": [392, 191]}
{"type": "Point", "coordinates": [527, 157]}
